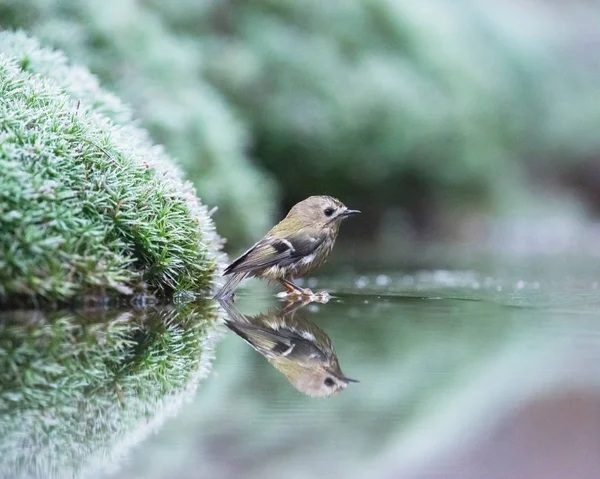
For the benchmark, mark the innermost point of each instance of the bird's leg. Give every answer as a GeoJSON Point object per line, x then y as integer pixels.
{"type": "Point", "coordinates": [295, 293]}
{"type": "Point", "coordinates": [295, 290]}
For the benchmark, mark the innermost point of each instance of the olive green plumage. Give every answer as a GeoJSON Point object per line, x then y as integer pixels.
{"type": "Point", "coordinates": [297, 245]}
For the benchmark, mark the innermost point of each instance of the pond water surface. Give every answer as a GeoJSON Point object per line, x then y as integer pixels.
{"type": "Point", "coordinates": [462, 375]}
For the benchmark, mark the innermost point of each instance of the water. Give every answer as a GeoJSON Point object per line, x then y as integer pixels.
{"type": "Point", "coordinates": [462, 375]}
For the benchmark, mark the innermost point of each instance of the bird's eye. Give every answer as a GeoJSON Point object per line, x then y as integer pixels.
{"type": "Point", "coordinates": [328, 211]}
{"type": "Point", "coordinates": [329, 382]}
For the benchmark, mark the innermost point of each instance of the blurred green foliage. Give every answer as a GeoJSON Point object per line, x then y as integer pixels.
{"type": "Point", "coordinates": [432, 107]}
{"type": "Point", "coordinates": [78, 389]}
{"type": "Point", "coordinates": [86, 203]}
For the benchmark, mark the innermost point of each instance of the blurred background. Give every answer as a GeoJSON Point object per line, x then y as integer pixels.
{"type": "Point", "coordinates": [462, 130]}
{"type": "Point", "coordinates": [440, 120]}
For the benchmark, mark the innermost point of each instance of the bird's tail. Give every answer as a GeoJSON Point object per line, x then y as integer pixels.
{"type": "Point", "coordinates": [226, 292]}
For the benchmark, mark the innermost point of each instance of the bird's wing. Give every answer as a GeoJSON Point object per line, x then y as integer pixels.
{"type": "Point", "coordinates": [266, 342]}
{"type": "Point", "coordinates": [272, 250]}
{"type": "Point", "coordinates": [276, 343]}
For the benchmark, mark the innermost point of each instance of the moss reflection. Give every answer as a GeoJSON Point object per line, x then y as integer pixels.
{"type": "Point", "coordinates": [78, 389]}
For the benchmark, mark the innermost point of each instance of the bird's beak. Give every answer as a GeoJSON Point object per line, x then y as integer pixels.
{"type": "Point", "coordinates": [349, 212]}
{"type": "Point", "coordinates": [349, 380]}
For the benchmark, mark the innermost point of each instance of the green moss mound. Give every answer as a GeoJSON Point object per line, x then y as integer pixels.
{"type": "Point", "coordinates": [86, 203]}
{"type": "Point", "coordinates": [78, 389]}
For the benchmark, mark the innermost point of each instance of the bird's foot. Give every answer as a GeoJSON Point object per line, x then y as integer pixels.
{"type": "Point", "coordinates": [305, 295]}
{"type": "Point", "coordinates": [321, 297]}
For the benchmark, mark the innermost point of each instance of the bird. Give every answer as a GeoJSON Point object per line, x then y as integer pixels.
{"type": "Point", "coordinates": [297, 245]}
{"type": "Point", "coordinates": [295, 346]}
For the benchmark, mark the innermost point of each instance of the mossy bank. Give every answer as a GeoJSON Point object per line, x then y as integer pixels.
{"type": "Point", "coordinates": [87, 202]}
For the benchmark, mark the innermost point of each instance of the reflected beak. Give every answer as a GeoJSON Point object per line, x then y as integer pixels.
{"type": "Point", "coordinates": [350, 213]}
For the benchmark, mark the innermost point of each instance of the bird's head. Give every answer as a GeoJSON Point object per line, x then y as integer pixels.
{"type": "Point", "coordinates": [320, 212]}
{"type": "Point", "coordinates": [316, 379]}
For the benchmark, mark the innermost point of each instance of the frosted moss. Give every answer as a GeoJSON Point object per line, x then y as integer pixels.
{"type": "Point", "coordinates": [87, 204]}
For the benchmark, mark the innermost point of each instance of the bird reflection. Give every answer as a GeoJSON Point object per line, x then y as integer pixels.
{"type": "Point", "coordinates": [297, 347]}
